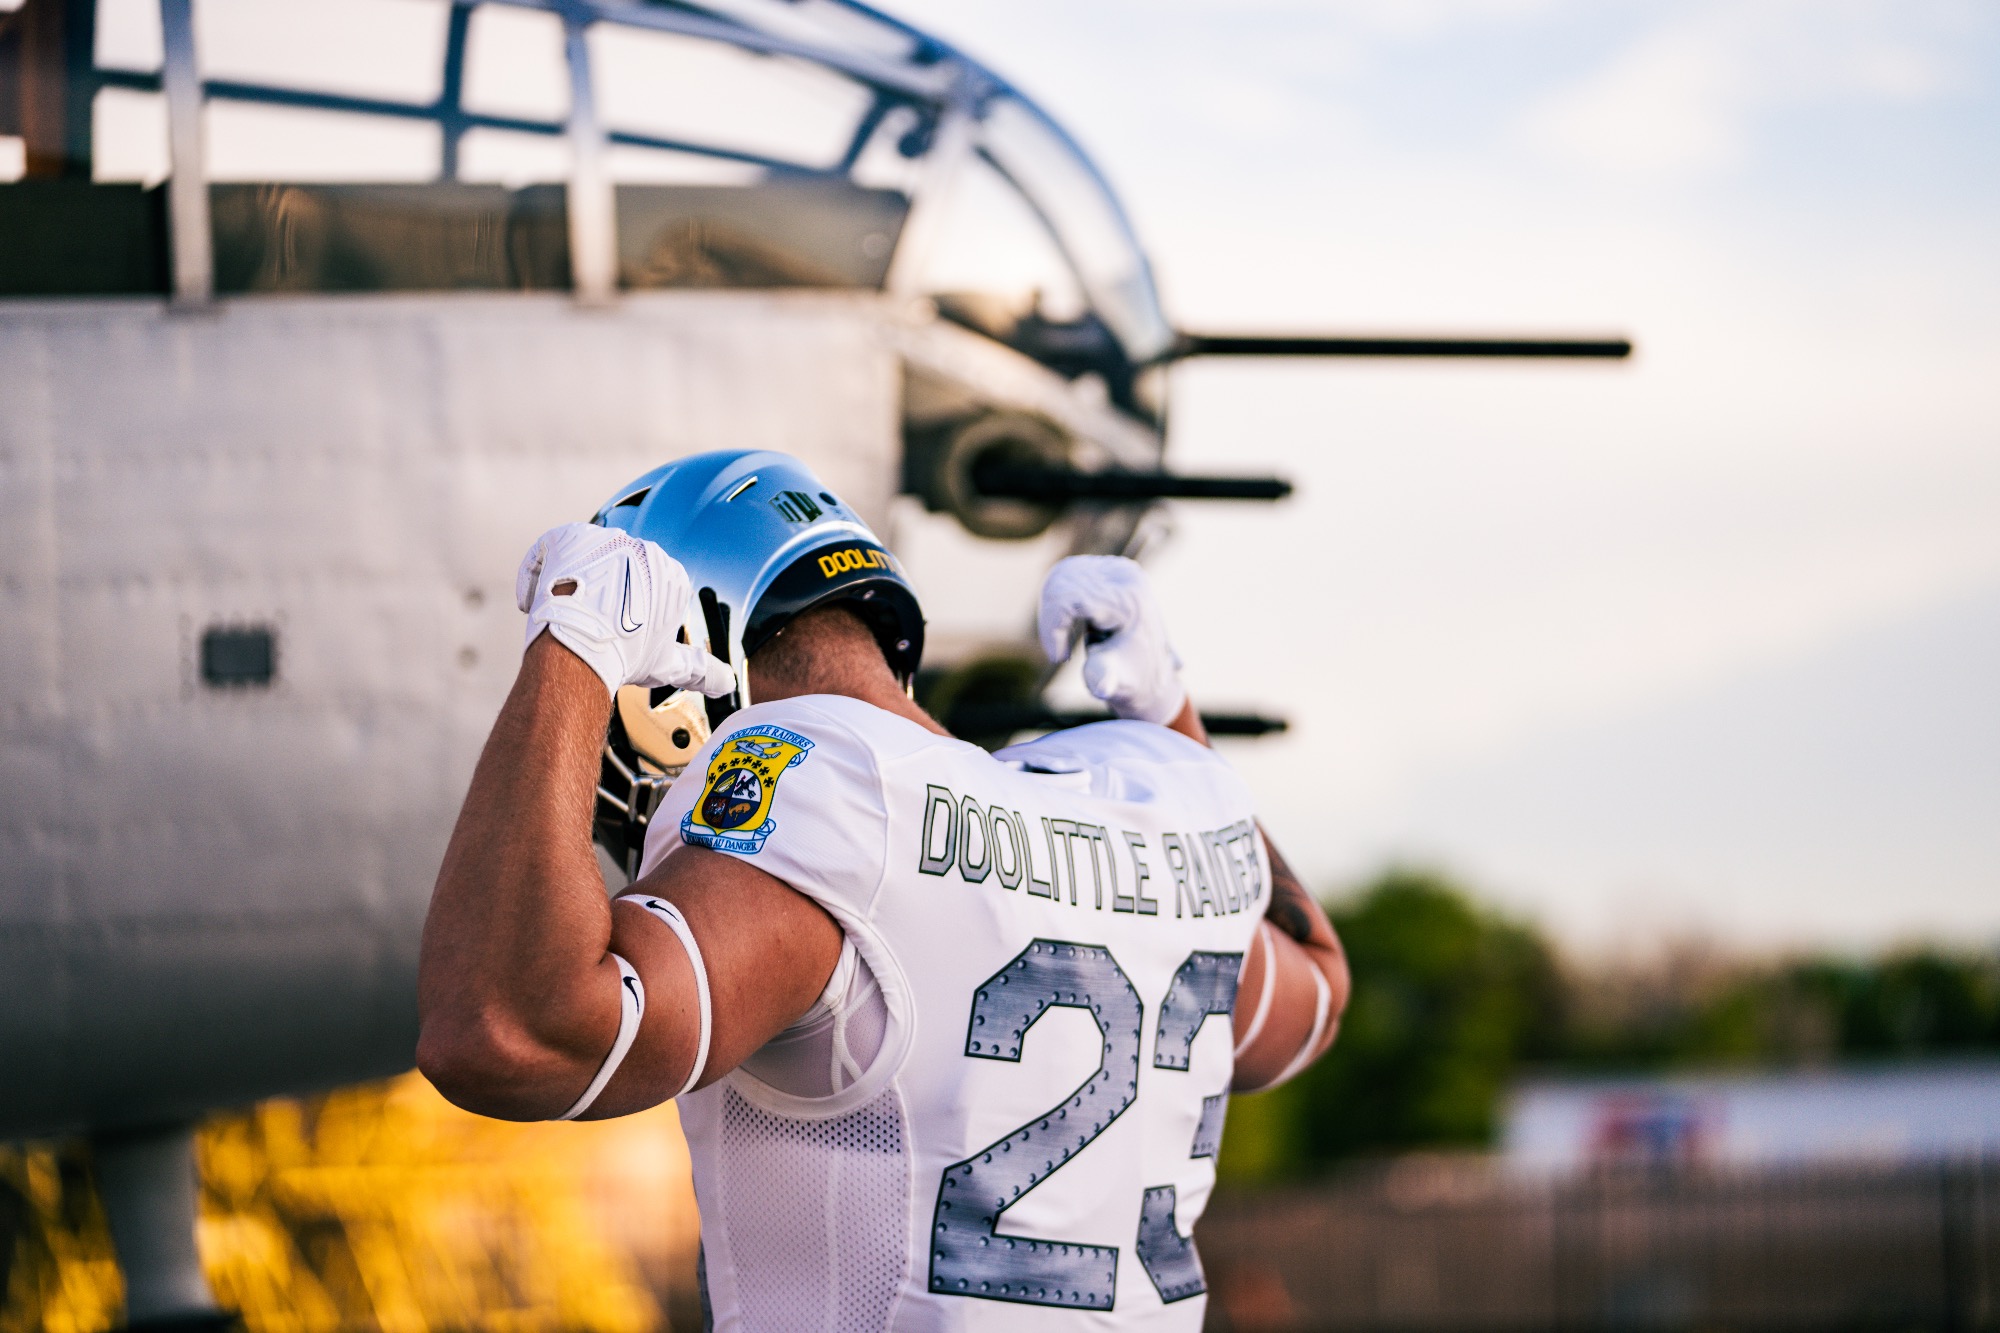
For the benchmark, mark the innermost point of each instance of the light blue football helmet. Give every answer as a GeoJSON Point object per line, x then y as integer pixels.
{"type": "Point", "coordinates": [763, 540]}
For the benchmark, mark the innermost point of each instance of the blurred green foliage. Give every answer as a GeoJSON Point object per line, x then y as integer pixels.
{"type": "Point", "coordinates": [1453, 1002]}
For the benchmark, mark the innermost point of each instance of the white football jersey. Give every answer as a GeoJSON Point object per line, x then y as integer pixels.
{"type": "Point", "coordinates": [1055, 933]}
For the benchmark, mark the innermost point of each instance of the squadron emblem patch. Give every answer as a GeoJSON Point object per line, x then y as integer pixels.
{"type": "Point", "coordinates": [734, 812]}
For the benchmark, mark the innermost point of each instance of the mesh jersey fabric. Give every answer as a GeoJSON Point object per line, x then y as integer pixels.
{"type": "Point", "coordinates": [802, 1210]}
{"type": "Point", "coordinates": [1049, 940]}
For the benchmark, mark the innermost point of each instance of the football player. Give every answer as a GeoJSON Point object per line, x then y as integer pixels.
{"type": "Point", "coordinates": [952, 1032]}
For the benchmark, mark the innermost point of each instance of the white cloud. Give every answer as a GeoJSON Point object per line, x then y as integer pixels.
{"type": "Point", "coordinates": [1672, 103]}
{"type": "Point", "coordinates": [1239, 105]}
{"type": "Point", "coordinates": [1900, 73]}
{"type": "Point", "coordinates": [1683, 97]}
{"type": "Point", "coordinates": [1411, 19]}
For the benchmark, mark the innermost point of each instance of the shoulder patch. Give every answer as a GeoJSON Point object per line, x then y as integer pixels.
{"type": "Point", "coordinates": [734, 812]}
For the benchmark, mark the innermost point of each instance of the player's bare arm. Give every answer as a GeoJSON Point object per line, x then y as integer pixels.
{"type": "Point", "coordinates": [518, 994]}
{"type": "Point", "coordinates": [1295, 982]}
{"type": "Point", "coordinates": [1294, 954]}
{"type": "Point", "coordinates": [519, 987]}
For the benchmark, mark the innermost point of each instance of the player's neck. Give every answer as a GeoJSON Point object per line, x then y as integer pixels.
{"type": "Point", "coordinates": [828, 650]}
{"type": "Point", "coordinates": [880, 690]}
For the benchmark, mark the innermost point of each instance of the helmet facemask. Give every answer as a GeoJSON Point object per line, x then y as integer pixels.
{"type": "Point", "coordinates": [654, 733]}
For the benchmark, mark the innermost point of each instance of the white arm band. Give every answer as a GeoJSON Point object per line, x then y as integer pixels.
{"type": "Point", "coordinates": [1322, 1013]}
{"type": "Point", "coordinates": [1322, 1006]}
{"type": "Point", "coordinates": [677, 923]}
{"type": "Point", "coordinates": [631, 1008]}
{"type": "Point", "coordinates": [1270, 980]}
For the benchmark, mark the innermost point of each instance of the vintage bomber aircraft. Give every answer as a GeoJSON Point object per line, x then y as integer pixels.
{"type": "Point", "coordinates": [317, 312]}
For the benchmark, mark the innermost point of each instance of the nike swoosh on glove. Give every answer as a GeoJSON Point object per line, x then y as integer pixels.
{"type": "Point", "coordinates": [1127, 661]}
{"type": "Point", "coordinates": [630, 601]}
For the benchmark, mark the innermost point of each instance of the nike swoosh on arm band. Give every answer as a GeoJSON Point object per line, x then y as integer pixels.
{"type": "Point", "coordinates": [671, 915]}
{"type": "Point", "coordinates": [631, 1008]}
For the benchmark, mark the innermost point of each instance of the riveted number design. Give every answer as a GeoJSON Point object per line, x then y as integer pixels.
{"type": "Point", "coordinates": [969, 1256]}
{"type": "Point", "coordinates": [1168, 1255]}
{"type": "Point", "coordinates": [1205, 987]}
{"type": "Point", "coordinates": [1208, 1134]}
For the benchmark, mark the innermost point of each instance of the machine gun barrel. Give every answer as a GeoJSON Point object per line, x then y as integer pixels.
{"type": "Point", "coordinates": [1204, 344]}
{"type": "Point", "coordinates": [997, 718]}
{"type": "Point", "coordinates": [1055, 485]}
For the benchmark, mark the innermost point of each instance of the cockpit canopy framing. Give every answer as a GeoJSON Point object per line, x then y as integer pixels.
{"type": "Point", "coordinates": [592, 145]}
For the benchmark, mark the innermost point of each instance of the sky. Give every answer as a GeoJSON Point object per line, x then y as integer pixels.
{"type": "Point", "coordinates": [1707, 644]}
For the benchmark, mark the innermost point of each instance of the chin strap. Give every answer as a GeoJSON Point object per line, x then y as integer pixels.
{"type": "Point", "coordinates": [631, 1008]}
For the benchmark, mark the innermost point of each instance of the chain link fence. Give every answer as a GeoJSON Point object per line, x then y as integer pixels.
{"type": "Point", "coordinates": [1455, 1244]}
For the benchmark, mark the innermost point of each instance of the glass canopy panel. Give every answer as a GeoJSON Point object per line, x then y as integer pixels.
{"type": "Point", "coordinates": [128, 132]}
{"type": "Point", "coordinates": [250, 141]}
{"type": "Point", "coordinates": [882, 164]}
{"type": "Point", "coordinates": [821, 23]}
{"type": "Point", "coordinates": [630, 164]}
{"type": "Point", "coordinates": [706, 94]}
{"type": "Point", "coordinates": [514, 64]}
{"type": "Point", "coordinates": [128, 35]}
{"type": "Point", "coordinates": [391, 50]}
{"type": "Point", "coordinates": [1086, 218]}
{"type": "Point", "coordinates": [991, 247]}
{"type": "Point", "coordinates": [790, 230]}
{"type": "Point", "coordinates": [513, 158]}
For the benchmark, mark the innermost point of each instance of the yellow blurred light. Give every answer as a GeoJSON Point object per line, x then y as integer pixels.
{"type": "Point", "coordinates": [385, 1207]}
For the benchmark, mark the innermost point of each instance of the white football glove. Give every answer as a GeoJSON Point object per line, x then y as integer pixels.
{"type": "Point", "coordinates": [630, 601]}
{"type": "Point", "coordinates": [1127, 661]}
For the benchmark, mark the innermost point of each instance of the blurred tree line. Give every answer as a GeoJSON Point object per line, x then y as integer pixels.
{"type": "Point", "coordinates": [1453, 1002]}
